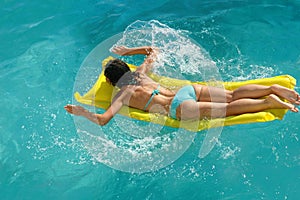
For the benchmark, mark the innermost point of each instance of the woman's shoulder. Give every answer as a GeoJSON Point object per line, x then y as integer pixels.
{"type": "Point", "coordinates": [129, 89]}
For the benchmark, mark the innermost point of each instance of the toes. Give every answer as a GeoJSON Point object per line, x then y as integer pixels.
{"type": "Point", "coordinates": [294, 109]}
{"type": "Point", "coordinates": [297, 100]}
{"type": "Point", "coordinates": [294, 99]}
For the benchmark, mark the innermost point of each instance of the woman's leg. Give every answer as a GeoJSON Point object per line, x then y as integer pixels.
{"type": "Point", "coordinates": [242, 106]}
{"type": "Point", "coordinates": [253, 91]}
{"type": "Point", "coordinates": [258, 91]}
{"type": "Point", "coordinates": [192, 110]}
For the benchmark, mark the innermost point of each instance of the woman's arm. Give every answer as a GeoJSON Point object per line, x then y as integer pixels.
{"type": "Point", "coordinates": [150, 52]}
{"type": "Point", "coordinates": [100, 119]}
{"type": "Point", "coordinates": [126, 51]}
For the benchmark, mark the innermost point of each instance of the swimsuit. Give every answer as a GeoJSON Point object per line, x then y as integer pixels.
{"type": "Point", "coordinates": [184, 94]}
{"type": "Point", "coordinates": [155, 92]}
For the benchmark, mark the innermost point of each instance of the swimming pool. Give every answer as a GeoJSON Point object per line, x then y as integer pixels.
{"type": "Point", "coordinates": [42, 49]}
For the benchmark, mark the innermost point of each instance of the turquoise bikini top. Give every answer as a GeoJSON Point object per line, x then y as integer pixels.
{"type": "Point", "coordinates": [155, 92]}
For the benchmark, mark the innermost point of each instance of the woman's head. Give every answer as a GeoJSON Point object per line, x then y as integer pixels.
{"type": "Point", "coordinates": [114, 70]}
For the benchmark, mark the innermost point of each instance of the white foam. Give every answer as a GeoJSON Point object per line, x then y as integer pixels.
{"type": "Point", "coordinates": [179, 54]}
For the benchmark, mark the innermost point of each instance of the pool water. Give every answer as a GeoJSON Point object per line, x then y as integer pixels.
{"type": "Point", "coordinates": [42, 153]}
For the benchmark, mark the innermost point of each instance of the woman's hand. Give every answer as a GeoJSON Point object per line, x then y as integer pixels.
{"type": "Point", "coordinates": [75, 110]}
{"type": "Point", "coordinates": [121, 50]}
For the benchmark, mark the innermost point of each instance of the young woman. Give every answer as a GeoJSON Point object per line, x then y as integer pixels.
{"type": "Point", "coordinates": [196, 101]}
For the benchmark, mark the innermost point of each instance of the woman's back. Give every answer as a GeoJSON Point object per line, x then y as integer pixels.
{"type": "Point", "coordinates": [148, 95]}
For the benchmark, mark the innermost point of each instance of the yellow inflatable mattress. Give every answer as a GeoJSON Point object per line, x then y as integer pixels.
{"type": "Point", "coordinates": [101, 93]}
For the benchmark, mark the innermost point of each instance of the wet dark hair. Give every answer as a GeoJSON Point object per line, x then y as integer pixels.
{"type": "Point", "coordinates": [119, 73]}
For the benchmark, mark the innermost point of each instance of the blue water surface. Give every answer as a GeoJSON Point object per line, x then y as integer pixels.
{"type": "Point", "coordinates": [43, 44]}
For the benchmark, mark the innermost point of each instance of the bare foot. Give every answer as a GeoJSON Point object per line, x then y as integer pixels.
{"type": "Point", "coordinates": [75, 110]}
{"type": "Point", "coordinates": [275, 102]}
{"type": "Point", "coordinates": [291, 95]}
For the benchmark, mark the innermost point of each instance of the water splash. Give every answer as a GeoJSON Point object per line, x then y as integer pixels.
{"type": "Point", "coordinates": [180, 56]}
